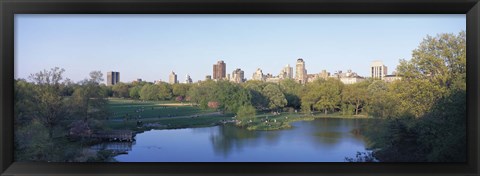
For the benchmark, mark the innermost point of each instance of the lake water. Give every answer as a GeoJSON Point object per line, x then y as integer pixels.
{"type": "Point", "coordinates": [320, 140]}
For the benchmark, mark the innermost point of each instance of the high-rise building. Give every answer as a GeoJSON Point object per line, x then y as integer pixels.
{"type": "Point", "coordinates": [219, 70]}
{"type": "Point", "coordinates": [188, 80]}
{"type": "Point", "coordinates": [208, 77]}
{"type": "Point", "coordinates": [378, 70]}
{"type": "Point", "coordinates": [113, 78]}
{"type": "Point", "coordinates": [300, 72]}
{"type": "Point", "coordinates": [288, 71]}
{"type": "Point", "coordinates": [238, 76]}
{"type": "Point", "coordinates": [258, 75]}
{"type": "Point", "coordinates": [173, 78]}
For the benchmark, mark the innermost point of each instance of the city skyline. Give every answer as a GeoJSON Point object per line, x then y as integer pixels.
{"type": "Point", "coordinates": [155, 45]}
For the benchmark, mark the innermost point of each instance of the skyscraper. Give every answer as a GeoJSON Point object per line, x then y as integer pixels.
{"type": "Point", "coordinates": [258, 75]}
{"type": "Point", "coordinates": [300, 72]}
{"type": "Point", "coordinates": [113, 78]}
{"type": "Point", "coordinates": [238, 76]}
{"type": "Point", "coordinates": [378, 70]}
{"type": "Point", "coordinates": [173, 78]}
{"type": "Point", "coordinates": [188, 80]}
{"type": "Point", "coordinates": [219, 70]}
{"type": "Point", "coordinates": [287, 72]}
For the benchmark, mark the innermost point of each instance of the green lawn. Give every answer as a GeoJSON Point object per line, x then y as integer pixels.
{"type": "Point", "coordinates": [121, 108]}
{"type": "Point", "coordinates": [170, 115]}
{"type": "Point", "coordinates": [268, 121]}
{"type": "Point", "coordinates": [159, 115]}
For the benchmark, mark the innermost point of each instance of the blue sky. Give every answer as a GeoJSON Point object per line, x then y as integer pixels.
{"type": "Point", "coordinates": [151, 46]}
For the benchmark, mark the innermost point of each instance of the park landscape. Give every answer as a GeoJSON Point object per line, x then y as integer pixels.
{"type": "Point", "coordinates": [418, 118]}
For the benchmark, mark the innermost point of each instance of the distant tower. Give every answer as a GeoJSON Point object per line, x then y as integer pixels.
{"type": "Point", "coordinates": [173, 78]}
{"type": "Point", "coordinates": [208, 77]}
{"type": "Point", "coordinates": [258, 75]}
{"type": "Point", "coordinates": [113, 78]}
{"type": "Point", "coordinates": [188, 80]}
{"type": "Point", "coordinates": [288, 71]}
{"type": "Point", "coordinates": [238, 76]}
{"type": "Point", "coordinates": [219, 70]}
{"type": "Point", "coordinates": [378, 70]}
{"type": "Point", "coordinates": [301, 72]}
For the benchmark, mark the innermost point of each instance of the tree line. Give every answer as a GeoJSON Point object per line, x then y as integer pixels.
{"type": "Point", "coordinates": [418, 118]}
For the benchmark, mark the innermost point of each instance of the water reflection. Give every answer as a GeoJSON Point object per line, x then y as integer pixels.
{"type": "Point", "coordinates": [321, 140]}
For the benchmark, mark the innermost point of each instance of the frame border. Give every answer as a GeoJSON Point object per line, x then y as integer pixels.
{"type": "Point", "coordinates": [8, 8]}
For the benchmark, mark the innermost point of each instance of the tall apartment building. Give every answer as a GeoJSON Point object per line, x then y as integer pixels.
{"type": "Point", "coordinates": [378, 70]}
{"type": "Point", "coordinates": [113, 78]}
{"type": "Point", "coordinates": [173, 78]}
{"type": "Point", "coordinates": [188, 80]}
{"type": "Point", "coordinates": [258, 75]}
{"type": "Point", "coordinates": [286, 72]}
{"type": "Point", "coordinates": [300, 72]}
{"type": "Point", "coordinates": [238, 76]}
{"type": "Point", "coordinates": [219, 70]}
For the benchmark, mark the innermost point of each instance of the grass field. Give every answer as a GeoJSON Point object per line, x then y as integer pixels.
{"type": "Point", "coordinates": [132, 109]}
{"type": "Point", "coordinates": [268, 121]}
{"type": "Point", "coordinates": [125, 113]}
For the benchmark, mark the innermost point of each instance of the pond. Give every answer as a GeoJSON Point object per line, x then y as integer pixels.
{"type": "Point", "coordinates": [320, 140]}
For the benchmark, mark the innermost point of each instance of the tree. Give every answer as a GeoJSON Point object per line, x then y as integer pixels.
{"type": "Point", "coordinates": [50, 105]}
{"type": "Point", "coordinates": [32, 142]}
{"type": "Point", "coordinates": [230, 96]}
{"type": "Point", "coordinates": [425, 112]}
{"type": "Point", "coordinates": [201, 94]}
{"type": "Point", "coordinates": [356, 95]}
{"type": "Point", "coordinates": [383, 102]}
{"type": "Point", "coordinates": [180, 89]}
{"type": "Point", "coordinates": [255, 88]}
{"type": "Point", "coordinates": [164, 91]}
{"type": "Point", "coordinates": [134, 92]}
{"type": "Point", "coordinates": [121, 90]}
{"type": "Point", "coordinates": [90, 97]}
{"type": "Point", "coordinates": [24, 96]}
{"type": "Point", "coordinates": [150, 92]}
{"type": "Point", "coordinates": [322, 95]}
{"type": "Point", "coordinates": [245, 113]}
{"type": "Point", "coordinates": [275, 97]}
{"type": "Point", "coordinates": [292, 91]}
{"type": "Point", "coordinates": [441, 60]}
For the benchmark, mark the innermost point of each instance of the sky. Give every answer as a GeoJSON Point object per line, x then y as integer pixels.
{"type": "Point", "coordinates": [151, 46]}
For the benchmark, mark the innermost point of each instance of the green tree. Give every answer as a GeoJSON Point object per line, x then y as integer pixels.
{"type": "Point", "coordinates": [203, 93]}
{"type": "Point", "coordinates": [32, 142]}
{"type": "Point", "coordinates": [245, 113]}
{"type": "Point", "coordinates": [134, 92]}
{"type": "Point", "coordinates": [180, 89]}
{"type": "Point", "coordinates": [292, 91]}
{"type": "Point", "coordinates": [322, 95]}
{"type": "Point", "coordinates": [90, 98]}
{"type": "Point", "coordinates": [255, 88]}
{"type": "Point", "coordinates": [430, 113]}
{"type": "Point", "coordinates": [383, 103]}
{"type": "Point", "coordinates": [49, 107]}
{"type": "Point", "coordinates": [164, 91]}
{"type": "Point", "coordinates": [24, 95]}
{"type": "Point", "coordinates": [150, 92]}
{"type": "Point", "coordinates": [441, 60]}
{"type": "Point", "coordinates": [121, 90]}
{"type": "Point", "coordinates": [356, 95]}
{"type": "Point", "coordinates": [275, 97]}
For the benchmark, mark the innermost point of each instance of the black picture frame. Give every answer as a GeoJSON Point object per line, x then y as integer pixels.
{"type": "Point", "coordinates": [8, 8]}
